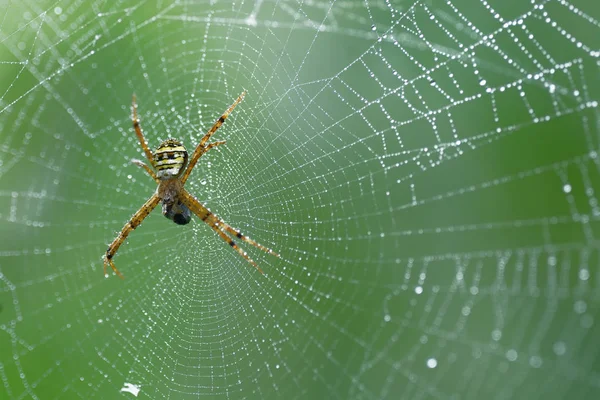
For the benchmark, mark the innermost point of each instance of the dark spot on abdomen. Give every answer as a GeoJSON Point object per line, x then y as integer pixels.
{"type": "Point", "coordinates": [180, 219]}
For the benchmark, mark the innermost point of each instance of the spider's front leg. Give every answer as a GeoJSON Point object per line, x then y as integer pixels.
{"type": "Point", "coordinates": [133, 223]}
{"type": "Point", "coordinates": [202, 148]}
{"type": "Point", "coordinates": [141, 164]}
{"type": "Point", "coordinates": [138, 129]}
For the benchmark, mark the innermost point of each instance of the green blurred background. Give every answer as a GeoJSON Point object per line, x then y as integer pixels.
{"type": "Point", "coordinates": [427, 170]}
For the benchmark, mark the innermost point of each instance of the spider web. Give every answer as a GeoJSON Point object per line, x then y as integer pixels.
{"type": "Point", "coordinates": [428, 171]}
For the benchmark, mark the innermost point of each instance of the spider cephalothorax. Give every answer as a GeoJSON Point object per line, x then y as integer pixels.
{"type": "Point", "coordinates": [170, 161]}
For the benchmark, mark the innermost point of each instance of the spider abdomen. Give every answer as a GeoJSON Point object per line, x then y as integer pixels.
{"type": "Point", "coordinates": [177, 212]}
{"type": "Point", "coordinates": [170, 159]}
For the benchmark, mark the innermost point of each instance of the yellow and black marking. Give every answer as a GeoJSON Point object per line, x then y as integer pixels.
{"type": "Point", "coordinates": [169, 159]}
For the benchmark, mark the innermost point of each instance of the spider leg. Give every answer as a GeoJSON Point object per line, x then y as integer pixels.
{"type": "Point", "coordinates": [239, 235]}
{"type": "Point", "coordinates": [227, 239]}
{"type": "Point", "coordinates": [215, 144]}
{"type": "Point", "coordinates": [201, 148]}
{"type": "Point", "coordinates": [141, 164]}
{"type": "Point", "coordinates": [219, 226]}
{"type": "Point", "coordinates": [138, 131]}
{"type": "Point", "coordinates": [133, 223]}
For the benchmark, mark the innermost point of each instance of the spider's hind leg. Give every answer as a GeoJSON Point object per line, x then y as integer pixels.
{"type": "Point", "coordinates": [215, 227]}
{"type": "Point", "coordinates": [239, 235]}
{"type": "Point", "coordinates": [221, 228]}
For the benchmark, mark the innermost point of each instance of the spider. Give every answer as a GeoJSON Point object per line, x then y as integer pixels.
{"type": "Point", "coordinates": [169, 171]}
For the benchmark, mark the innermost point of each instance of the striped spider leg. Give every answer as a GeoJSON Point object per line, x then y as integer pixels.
{"type": "Point", "coordinates": [222, 228]}
{"type": "Point", "coordinates": [168, 169]}
{"type": "Point", "coordinates": [202, 148]}
{"type": "Point", "coordinates": [138, 131]}
{"type": "Point", "coordinates": [146, 208]}
{"type": "Point", "coordinates": [133, 223]}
